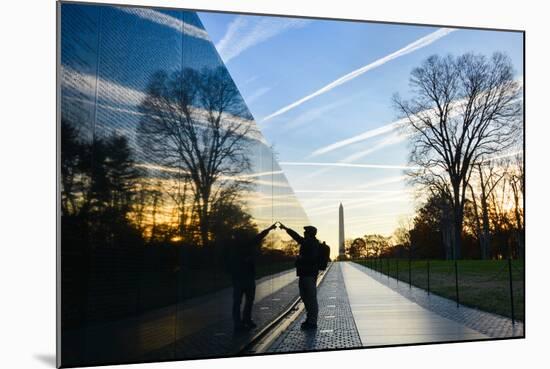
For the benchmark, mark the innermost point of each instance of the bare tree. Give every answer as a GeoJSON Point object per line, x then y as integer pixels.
{"type": "Point", "coordinates": [356, 248]}
{"type": "Point", "coordinates": [147, 197]}
{"type": "Point", "coordinates": [488, 176]}
{"type": "Point", "coordinates": [516, 179]}
{"type": "Point", "coordinates": [71, 156]}
{"type": "Point", "coordinates": [437, 205]}
{"type": "Point", "coordinates": [376, 244]}
{"type": "Point", "coordinates": [179, 193]}
{"type": "Point", "coordinates": [196, 121]}
{"type": "Point", "coordinates": [462, 110]}
{"type": "Point", "coordinates": [402, 234]}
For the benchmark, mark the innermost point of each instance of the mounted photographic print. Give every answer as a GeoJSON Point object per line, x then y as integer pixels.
{"type": "Point", "coordinates": [242, 184]}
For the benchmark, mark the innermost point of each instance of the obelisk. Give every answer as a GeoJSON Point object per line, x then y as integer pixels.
{"type": "Point", "coordinates": [341, 238]}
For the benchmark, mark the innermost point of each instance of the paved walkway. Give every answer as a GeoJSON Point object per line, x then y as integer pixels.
{"type": "Point", "coordinates": [385, 317]}
{"type": "Point", "coordinates": [336, 326]}
{"type": "Point", "coordinates": [492, 325]}
{"type": "Point", "coordinates": [359, 307]}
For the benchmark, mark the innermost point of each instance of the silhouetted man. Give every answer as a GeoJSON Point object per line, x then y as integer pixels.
{"type": "Point", "coordinates": [241, 262]}
{"type": "Point", "coordinates": [307, 269]}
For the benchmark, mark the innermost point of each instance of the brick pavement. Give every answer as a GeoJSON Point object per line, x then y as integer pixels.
{"type": "Point", "coordinates": [336, 326]}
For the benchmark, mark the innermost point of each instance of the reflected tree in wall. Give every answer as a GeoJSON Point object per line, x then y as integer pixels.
{"type": "Point", "coordinates": [71, 168]}
{"type": "Point", "coordinates": [98, 178]}
{"type": "Point", "coordinates": [196, 122]}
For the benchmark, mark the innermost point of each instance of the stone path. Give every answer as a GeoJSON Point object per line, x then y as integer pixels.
{"type": "Point", "coordinates": [492, 325]}
{"type": "Point", "coordinates": [385, 317]}
{"type": "Point", "coordinates": [359, 307]}
{"type": "Point", "coordinates": [336, 326]}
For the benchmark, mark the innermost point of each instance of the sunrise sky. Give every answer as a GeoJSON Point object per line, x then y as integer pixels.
{"type": "Point", "coordinates": [321, 92]}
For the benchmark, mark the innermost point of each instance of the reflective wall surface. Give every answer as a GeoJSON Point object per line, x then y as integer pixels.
{"type": "Point", "coordinates": [163, 173]}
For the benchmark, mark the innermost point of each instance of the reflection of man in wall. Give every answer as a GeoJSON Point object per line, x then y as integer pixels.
{"type": "Point", "coordinates": [241, 263]}
{"type": "Point", "coordinates": [307, 269]}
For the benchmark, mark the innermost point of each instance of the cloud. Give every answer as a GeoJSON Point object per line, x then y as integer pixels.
{"type": "Point", "coordinates": [363, 204]}
{"type": "Point", "coordinates": [418, 44]}
{"type": "Point", "coordinates": [505, 155]}
{"type": "Point", "coordinates": [348, 191]}
{"type": "Point", "coordinates": [245, 32]}
{"type": "Point", "coordinates": [314, 114]}
{"type": "Point", "coordinates": [394, 138]}
{"type": "Point", "coordinates": [249, 81]}
{"type": "Point", "coordinates": [348, 165]}
{"type": "Point", "coordinates": [261, 174]}
{"type": "Point", "coordinates": [307, 177]}
{"type": "Point", "coordinates": [377, 216]}
{"type": "Point", "coordinates": [457, 105]}
{"type": "Point", "coordinates": [239, 178]}
{"type": "Point", "coordinates": [358, 138]}
{"type": "Point", "coordinates": [387, 141]}
{"type": "Point", "coordinates": [383, 181]}
{"type": "Point", "coordinates": [257, 94]}
{"type": "Point", "coordinates": [167, 21]}
{"type": "Point", "coordinates": [122, 98]}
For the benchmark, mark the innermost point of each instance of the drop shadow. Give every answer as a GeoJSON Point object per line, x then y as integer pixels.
{"type": "Point", "coordinates": [48, 359]}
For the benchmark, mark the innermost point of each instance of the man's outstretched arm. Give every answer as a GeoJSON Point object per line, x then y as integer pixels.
{"type": "Point", "coordinates": [292, 233]}
{"type": "Point", "coordinates": [260, 236]}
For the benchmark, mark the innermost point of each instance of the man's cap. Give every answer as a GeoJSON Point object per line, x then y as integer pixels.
{"type": "Point", "coordinates": [311, 229]}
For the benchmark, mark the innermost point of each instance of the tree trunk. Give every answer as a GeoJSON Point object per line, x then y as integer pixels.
{"type": "Point", "coordinates": [183, 214]}
{"type": "Point", "coordinates": [521, 244]}
{"type": "Point", "coordinates": [154, 214]}
{"type": "Point", "coordinates": [458, 234]}
{"type": "Point", "coordinates": [485, 234]}
{"type": "Point", "coordinates": [204, 228]}
{"type": "Point", "coordinates": [447, 238]}
{"type": "Point", "coordinates": [519, 227]}
{"type": "Point", "coordinates": [204, 215]}
{"type": "Point", "coordinates": [478, 222]}
{"type": "Point", "coordinates": [458, 215]}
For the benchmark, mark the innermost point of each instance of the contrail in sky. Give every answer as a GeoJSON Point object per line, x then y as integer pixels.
{"type": "Point", "coordinates": [358, 138]}
{"type": "Point", "coordinates": [349, 165]}
{"type": "Point", "coordinates": [167, 21]}
{"type": "Point", "coordinates": [245, 32]}
{"type": "Point", "coordinates": [418, 44]}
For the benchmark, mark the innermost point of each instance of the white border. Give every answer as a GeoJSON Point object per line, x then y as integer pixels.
{"type": "Point", "coordinates": [27, 186]}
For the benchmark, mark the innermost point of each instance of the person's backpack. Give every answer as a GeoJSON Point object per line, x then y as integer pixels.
{"type": "Point", "coordinates": [324, 256]}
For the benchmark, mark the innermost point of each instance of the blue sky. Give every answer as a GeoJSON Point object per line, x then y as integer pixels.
{"type": "Point", "coordinates": [276, 62]}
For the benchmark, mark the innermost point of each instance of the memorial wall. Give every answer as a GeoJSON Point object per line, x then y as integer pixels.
{"type": "Point", "coordinates": [163, 172]}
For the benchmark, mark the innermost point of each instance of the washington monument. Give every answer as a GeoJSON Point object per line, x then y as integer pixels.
{"type": "Point", "coordinates": [341, 238]}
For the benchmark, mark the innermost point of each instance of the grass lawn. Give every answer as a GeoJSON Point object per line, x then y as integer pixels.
{"type": "Point", "coordinates": [483, 284]}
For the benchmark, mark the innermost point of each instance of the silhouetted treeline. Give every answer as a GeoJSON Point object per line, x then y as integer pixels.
{"type": "Point", "coordinates": [119, 256]}
{"type": "Point", "coordinates": [427, 235]}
